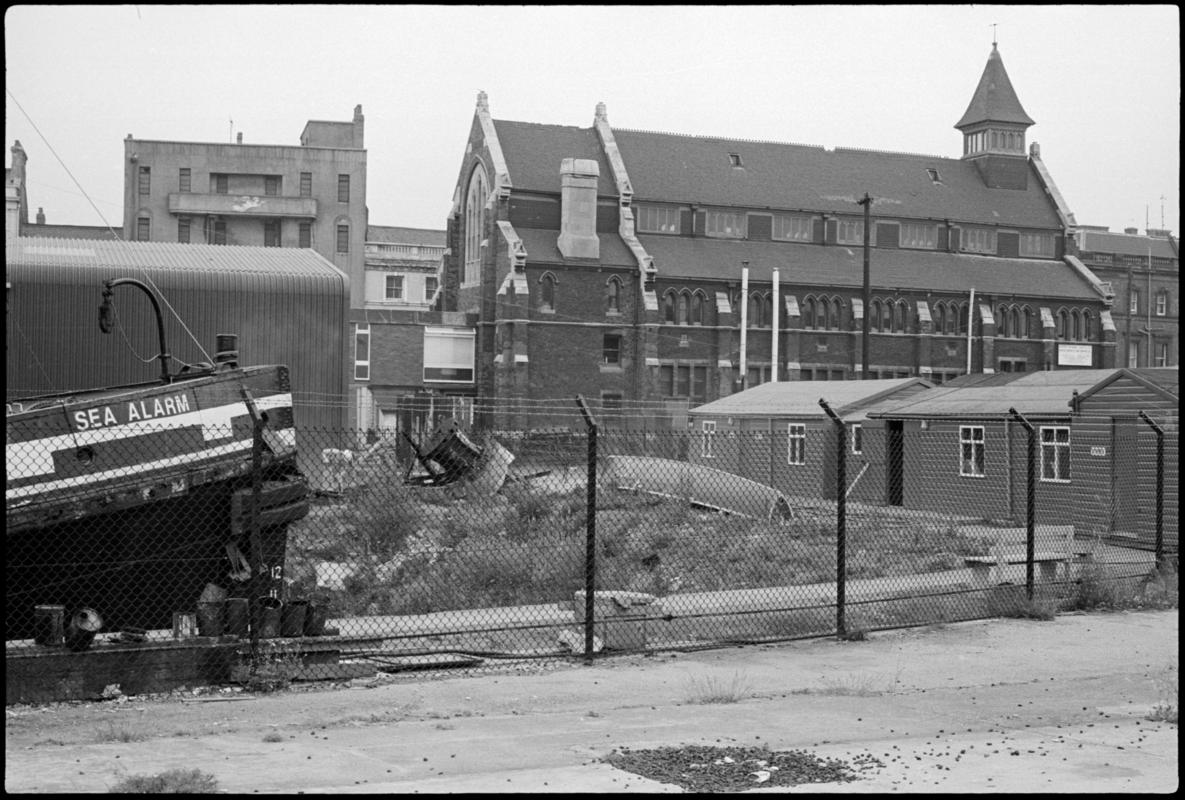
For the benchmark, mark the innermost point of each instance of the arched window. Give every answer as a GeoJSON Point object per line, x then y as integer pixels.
{"type": "Point", "coordinates": [668, 307]}
{"type": "Point", "coordinates": [475, 216]}
{"type": "Point", "coordinates": [1087, 333]}
{"type": "Point", "coordinates": [1075, 325]}
{"type": "Point", "coordinates": [1026, 331]}
{"type": "Point", "coordinates": [962, 318]}
{"type": "Point", "coordinates": [835, 322]}
{"type": "Point", "coordinates": [899, 315]}
{"type": "Point", "coordinates": [1062, 323]}
{"type": "Point", "coordinates": [681, 309]}
{"type": "Point", "coordinates": [821, 314]}
{"type": "Point", "coordinates": [1001, 321]}
{"type": "Point", "coordinates": [1014, 329]}
{"type": "Point", "coordinates": [767, 311]}
{"type": "Point", "coordinates": [697, 309]}
{"type": "Point", "coordinates": [547, 292]}
{"type": "Point", "coordinates": [808, 313]}
{"type": "Point", "coordinates": [940, 317]}
{"type": "Point", "coordinates": [874, 317]}
{"type": "Point", "coordinates": [613, 296]}
{"type": "Point", "coordinates": [754, 311]}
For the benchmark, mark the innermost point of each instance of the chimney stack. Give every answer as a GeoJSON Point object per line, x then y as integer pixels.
{"type": "Point", "coordinates": [40, 215]}
{"type": "Point", "coordinates": [1131, 231]}
{"type": "Point", "coordinates": [578, 209]}
{"type": "Point", "coordinates": [359, 127]}
{"type": "Point", "coordinates": [239, 138]}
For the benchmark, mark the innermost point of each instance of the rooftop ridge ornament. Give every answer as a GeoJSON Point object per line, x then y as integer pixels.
{"type": "Point", "coordinates": [483, 102]}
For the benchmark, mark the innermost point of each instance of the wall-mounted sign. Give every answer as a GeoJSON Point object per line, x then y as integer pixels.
{"type": "Point", "coordinates": [1098, 451]}
{"type": "Point", "coordinates": [1075, 355]}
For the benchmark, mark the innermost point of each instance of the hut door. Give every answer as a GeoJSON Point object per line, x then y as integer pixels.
{"type": "Point", "coordinates": [895, 463]}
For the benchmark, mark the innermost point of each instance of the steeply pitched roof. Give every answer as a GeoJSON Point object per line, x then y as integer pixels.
{"type": "Point", "coordinates": [534, 152]}
{"type": "Point", "coordinates": [843, 266]}
{"type": "Point", "coordinates": [541, 248]}
{"type": "Point", "coordinates": [1035, 394]}
{"type": "Point", "coordinates": [801, 398]}
{"type": "Point", "coordinates": [38, 252]}
{"type": "Point", "coordinates": [390, 234]}
{"type": "Point", "coordinates": [693, 169]}
{"type": "Point", "coordinates": [994, 99]}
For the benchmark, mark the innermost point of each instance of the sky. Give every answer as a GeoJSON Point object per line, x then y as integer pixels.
{"type": "Point", "coordinates": [1103, 84]}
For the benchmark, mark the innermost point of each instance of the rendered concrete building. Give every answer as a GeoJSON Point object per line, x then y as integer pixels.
{"type": "Point", "coordinates": [310, 195]}
{"type": "Point", "coordinates": [667, 270]}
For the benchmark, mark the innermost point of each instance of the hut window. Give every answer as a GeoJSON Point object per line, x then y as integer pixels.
{"type": "Point", "coordinates": [796, 444]}
{"type": "Point", "coordinates": [971, 447]}
{"type": "Point", "coordinates": [1055, 454]}
{"type": "Point", "coordinates": [709, 433]}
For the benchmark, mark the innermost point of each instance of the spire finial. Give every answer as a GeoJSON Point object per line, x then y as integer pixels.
{"type": "Point", "coordinates": [993, 36]}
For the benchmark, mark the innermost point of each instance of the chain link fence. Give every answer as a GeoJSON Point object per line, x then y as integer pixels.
{"type": "Point", "coordinates": [471, 545]}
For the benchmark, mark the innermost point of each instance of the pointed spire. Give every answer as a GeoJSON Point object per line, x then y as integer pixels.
{"type": "Point", "coordinates": [994, 100]}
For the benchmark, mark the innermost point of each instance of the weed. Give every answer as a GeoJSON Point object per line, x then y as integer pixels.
{"type": "Point", "coordinates": [272, 672]}
{"type": "Point", "coordinates": [713, 689]}
{"type": "Point", "coordinates": [1093, 591]}
{"type": "Point", "coordinates": [120, 733]}
{"type": "Point", "coordinates": [1013, 602]}
{"type": "Point", "coordinates": [273, 737]}
{"type": "Point", "coordinates": [1167, 685]}
{"type": "Point", "coordinates": [175, 781]}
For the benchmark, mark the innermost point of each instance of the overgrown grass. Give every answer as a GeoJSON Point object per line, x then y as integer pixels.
{"type": "Point", "coordinates": [174, 781]}
{"type": "Point", "coordinates": [1013, 602]}
{"type": "Point", "coordinates": [714, 689]}
{"type": "Point", "coordinates": [272, 671]}
{"type": "Point", "coordinates": [111, 732]}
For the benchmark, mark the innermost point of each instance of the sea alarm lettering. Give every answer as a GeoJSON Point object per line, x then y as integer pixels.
{"type": "Point", "coordinates": [134, 411]}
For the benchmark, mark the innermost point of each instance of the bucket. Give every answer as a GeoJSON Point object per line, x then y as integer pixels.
{"type": "Point", "coordinates": [315, 616]}
{"type": "Point", "coordinates": [292, 618]}
{"type": "Point", "coordinates": [236, 616]}
{"type": "Point", "coordinates": [49, 625]}
{"type": "Point", "coordinates": [211, 618]}
{"type": "Point", "coordinates": [267, 618]}
{"type": "Point", "coordinates": [83, 626]}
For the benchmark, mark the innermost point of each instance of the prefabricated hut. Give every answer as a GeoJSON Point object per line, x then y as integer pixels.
{"type": "Point", "coordinates": [779, 435]}
{"type": "Point", "coordinates": [1108, 429]}
{"type": "Point", "coordinates": [962, 451]}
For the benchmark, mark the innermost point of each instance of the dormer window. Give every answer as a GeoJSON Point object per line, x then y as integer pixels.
{"type": "Point", "coordinates": [933, 173]}
{"type": "Point", "coordinates": [734, 159]}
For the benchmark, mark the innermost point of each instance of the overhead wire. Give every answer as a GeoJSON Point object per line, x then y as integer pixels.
{"type": "Point", "coordinates": [144, 272]}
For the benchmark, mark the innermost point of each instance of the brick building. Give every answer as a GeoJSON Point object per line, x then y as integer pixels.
{"type": "Point", "coordinates": [640, 267]}
{"type": "Point", "coordinates": [1145, 274]}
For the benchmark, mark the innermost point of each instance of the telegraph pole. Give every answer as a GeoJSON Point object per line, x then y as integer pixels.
{"type": "Point", "coordinates": [866, 201]}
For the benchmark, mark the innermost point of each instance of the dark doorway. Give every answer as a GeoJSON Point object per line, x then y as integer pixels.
{"type": "Point", "coordinates": [895, 463]}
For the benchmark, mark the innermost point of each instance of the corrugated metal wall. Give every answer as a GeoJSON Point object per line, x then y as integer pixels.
{"type": "Point", "coordinates": [296, 318]}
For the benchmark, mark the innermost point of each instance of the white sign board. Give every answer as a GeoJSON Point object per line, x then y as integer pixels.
{"type": "Point", "coordinates": [1075, 355]}
{"type": "Point", "coordinates": [1098, 451]}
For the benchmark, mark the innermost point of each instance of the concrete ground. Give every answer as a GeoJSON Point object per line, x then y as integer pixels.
{"type": "Point", "coordinates": [986, 706]}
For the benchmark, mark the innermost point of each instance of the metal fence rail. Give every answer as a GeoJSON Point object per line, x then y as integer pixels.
{"type": "Point", "coordinates": [569, 542]}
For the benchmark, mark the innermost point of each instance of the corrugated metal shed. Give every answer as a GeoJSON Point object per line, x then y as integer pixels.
{"type": "Point", "coordinates": [801, 398]}
{"type": "Point", "coordinates": [287, 306]}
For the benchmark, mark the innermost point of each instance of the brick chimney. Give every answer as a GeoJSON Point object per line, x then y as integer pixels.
{"type": "Point", "coordinates": [40, 215]}
{"type": "Point", "coordinates": [19, 160]}
{"type": "Point", "coordinates": [578, 208]}
{"type": "Point", "coordinates": [359, 126]}
{"type": "Point", "coordinates": [1131, 231]}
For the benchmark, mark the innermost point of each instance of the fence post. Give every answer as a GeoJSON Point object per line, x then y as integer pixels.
{"type": "Point", "coordinates": [256, 582]}
{"type": "Point", "coordinates": [590, 548]}
{"type": "Point", "coordinates": [1159, 487]}
{"type": "Point", "coordinates": [841, 513]}
{"type": "Point", "coordinates": [1030, 499]}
